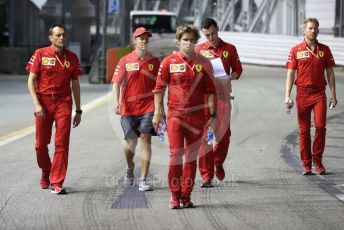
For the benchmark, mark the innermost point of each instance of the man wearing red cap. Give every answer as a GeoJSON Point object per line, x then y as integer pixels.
{"type": "Point", "coordinates": [212, 158]}
{"type": "Point", "coordinates": [134, 79]}
{"type": "Point", "coordinates": [311, 59]}
{"type": "Point", "coordinates": [189, 77]}
{"type": "Point", "coordinates": [52, 69]}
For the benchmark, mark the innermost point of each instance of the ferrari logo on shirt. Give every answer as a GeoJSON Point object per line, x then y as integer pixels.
{"type": "Point", "coordinates": [198, 67]}
{"type": "Point", "coordinates": [48, 61]}
{"type": "Point", "coordinates": [151, 67]}
{"type": "Point", "coordinates": [207, 53]}
{"type": "Point", "coordinates": [177, 68]}
{"type": "Point", "coordinates": [132, 66]}
{"type": "Point", "coordinates": [321, 53]}
{"type": "Point", "coordinates": [225, 54]}
{"type": "Point", "coordinates": [302, 54]}
{"type": "Point", "coordinates": [67, 64]}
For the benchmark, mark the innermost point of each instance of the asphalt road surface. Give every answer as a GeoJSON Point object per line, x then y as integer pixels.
{"type": "Point", "coordinates": [263, 188]}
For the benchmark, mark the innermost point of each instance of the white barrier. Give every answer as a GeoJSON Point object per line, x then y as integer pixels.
{"type": "Point", "coordinates": [267, 49]}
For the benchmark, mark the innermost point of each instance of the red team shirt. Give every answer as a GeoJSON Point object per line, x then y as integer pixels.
{"type": "Point", "coordinates": [137, 78]}
{"type": "Point", "coordinates": [54, 71]}
{"type": "Point", "coordinates": [310, 66]}
{"type": "Point", "coordinates": [229, 57]}
{"type": "Point", "coordinates": [188, 80]}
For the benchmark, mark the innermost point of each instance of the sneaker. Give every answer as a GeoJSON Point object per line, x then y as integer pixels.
{"type": "Point", "coordinates": [219, 172]}
{"type": "Point", "coordinates": [186, 202]}
{"type": "Point", "coordinates": [174, 201]}
{"type": "Point", "coordinates": [143, 186]}
{"type": "Point", "coordinates": [307, 170]}
{"type": "Point", "coordinates": [206, 184]}
{"type": "Point", "coordinates": [129, 177]}
{"type": "Point", "coordinates": [57, 189]}
{"type": "Point", "coordinates": [45, 182]}
{"type": "Point", "coordinates": [320, 168]}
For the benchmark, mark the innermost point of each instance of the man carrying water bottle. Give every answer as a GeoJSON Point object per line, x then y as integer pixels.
{"type": "Point", "coordinates": [134, 79]}
{"type": "Point", "coordinates": [189, 77]}
{"type": "Point", "coordinates": [311, 59]}
{"type": "Point", "coordinates": [227, 67]}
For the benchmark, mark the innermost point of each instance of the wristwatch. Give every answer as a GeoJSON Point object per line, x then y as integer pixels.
{"type": "Point", "coordinates": [213, 115]}
{"type": "Point", "coordinates": [79, 111]}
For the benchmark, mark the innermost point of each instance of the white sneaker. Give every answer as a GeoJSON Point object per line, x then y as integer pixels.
{"type": "Point", "coordinates": [143, 186]}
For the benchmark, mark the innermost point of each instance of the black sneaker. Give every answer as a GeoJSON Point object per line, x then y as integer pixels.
{"type": "Point", "coordinates": [56, 189]}
{"type": "Point", "coordinates": [186, 202]}
{"type": "Point", "coordinates": [129, 177]}
{"type": "Point", "coordinates": [206, 184]}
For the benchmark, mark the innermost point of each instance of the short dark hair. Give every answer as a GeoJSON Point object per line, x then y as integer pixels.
{"type": "Point", "coordinates": [53, 26]}
{"type": "Point", "coordinates": [208, 22]}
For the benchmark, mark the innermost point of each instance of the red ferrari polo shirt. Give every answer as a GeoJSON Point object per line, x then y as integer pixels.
{"type": "Point", "coordinates": [229, 57]}
{"type": "Point", "coordinates": [189, 79]}
{"type": "Point", "coordinates": [226, 51]}
{"type": "Point", "coordinates": [54, 71]}
{"type": "Point", "coordinates": [310, 65]}
{"type": "Point", "coordinates": [137, 78]}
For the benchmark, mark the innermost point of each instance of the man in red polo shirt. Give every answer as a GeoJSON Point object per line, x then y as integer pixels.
{"type": "Point", "coordinates": [52, 69]}
{"type": "Point", "coordinates": [134, 79]}
{"type": "Point", "coordinates": [189, 78]}
{"type": "Point", "coordinates": [212, 158]}
{"type": "Point", "coordinates": [310, 59]}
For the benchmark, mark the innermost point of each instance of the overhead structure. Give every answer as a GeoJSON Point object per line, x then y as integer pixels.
{"type": "Point", "coordinates": [258, 16]}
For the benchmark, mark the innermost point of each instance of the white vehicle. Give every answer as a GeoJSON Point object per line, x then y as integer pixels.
{"type": "Point", "coordinates": [163, 26]}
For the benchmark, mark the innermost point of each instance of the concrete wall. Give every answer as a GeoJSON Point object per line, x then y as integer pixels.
{"type": "Point", "coordinates": [324, 11]}
{"type": "Point", "coordinates": [268, 49]}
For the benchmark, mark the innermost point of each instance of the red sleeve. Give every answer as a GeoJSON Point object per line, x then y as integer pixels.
{"type": "Point", "coordinates": [235, 62]}
{"type": "Point", "coordinates": [77, 68]}
{"type": "Point", "coordinates": [209, 78]}
{"type": "Point", "coordinates": [291, 62]}
{"type": "Point", "coordinates": [329, 59]}
{"type": "Point", "coordinates": [120, 72]}
{"type": "Point", "coordinates": [156, 67]}
{"type": "Point", "coordinates": [34, 64]}
{"type": "Point", "coordinates": [163, 76]}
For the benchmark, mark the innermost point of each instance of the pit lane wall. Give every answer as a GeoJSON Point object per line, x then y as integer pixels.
{"type": "Point", "coordinates": [253, 48]}
{"type": "Point", "coordinates": [273, 50]}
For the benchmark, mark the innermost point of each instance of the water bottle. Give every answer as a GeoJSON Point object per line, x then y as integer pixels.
{"type": "Point", "coordinates": [331, 106]}
{"type": "Point", "coordinates": [210, 136]}
{"type": "Point", "coordinates": [290, 105]}
{"type": "Point", "coordinates": [160, 130]}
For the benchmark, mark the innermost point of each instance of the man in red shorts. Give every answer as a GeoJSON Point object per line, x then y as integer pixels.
{"type": "Point", "coordinates": [190, 80]}
{"type": "Point", "coordinates": [311, 59]}
{"type": "Point", "coordinates": [52, 69]}
{"type": "Point", "coordinates": [215, 49]}
{"type": "Point", "coordinates": [134, 79]}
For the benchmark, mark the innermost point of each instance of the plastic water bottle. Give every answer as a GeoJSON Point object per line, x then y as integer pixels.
{"type": "Point", "coordinates": [290, 106]}
{"type": "Point", "coordinates": [162, 127]}
{"type": "Point", "coordinates": [331, 106]}
{"type": "Point", "coordinates": [210, 136]}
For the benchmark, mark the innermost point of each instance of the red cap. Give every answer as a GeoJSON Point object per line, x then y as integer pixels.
{"type": "Point", "coordinates": [141, 30]}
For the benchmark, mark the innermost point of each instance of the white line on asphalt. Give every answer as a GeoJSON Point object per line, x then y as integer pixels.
{"type": "Point", "coordinates": [4, 140]}
{"type": "Point", "coordinates": [340, 196]}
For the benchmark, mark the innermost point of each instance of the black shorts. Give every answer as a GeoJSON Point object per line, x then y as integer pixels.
{"type": "Point", "coordinates": [133, 126]}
